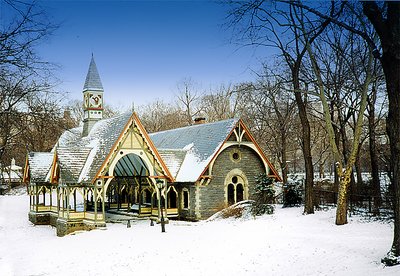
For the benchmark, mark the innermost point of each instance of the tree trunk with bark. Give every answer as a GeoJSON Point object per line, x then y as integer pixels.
{"type": "Point", "coordinates": [375, 182]}
{"type": "Point", "coordinates": [306, 142]}
{"type": "Point", "coordinates": [388, 30]}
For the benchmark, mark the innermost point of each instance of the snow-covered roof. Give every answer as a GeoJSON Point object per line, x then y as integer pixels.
{"type": "Point", "coordinates": [95, 146]}
{"type": "Point", "coordinates": [72, 161]}
{"type": "Point", "coordinates": [200, 142]}
{"type": "Point", "coordinates": [185, 151]}
{"type": "Point", "coordinates": [93, 81]}
{"type": "Point", "coordinates": [39, 165]}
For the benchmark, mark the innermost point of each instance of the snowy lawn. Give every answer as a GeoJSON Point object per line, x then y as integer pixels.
{"type": "Point", "coordinates": [286, 243]}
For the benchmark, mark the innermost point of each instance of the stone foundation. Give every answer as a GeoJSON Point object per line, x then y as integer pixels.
{"type": "Point", "coordinates": [65, 227]}
{"type": "Point", "coordinates": [53, 219]}
{"type": "Point", "coordinates": [39, 218]}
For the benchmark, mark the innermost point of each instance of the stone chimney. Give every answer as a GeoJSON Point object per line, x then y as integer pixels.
{"type": "Point", "coordinates": [199, 120]}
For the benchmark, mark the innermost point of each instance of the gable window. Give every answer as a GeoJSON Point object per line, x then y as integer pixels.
{"type": "Point", "coordinates": [235, 155]}
{"type": "Point", "coordinates": [185, 199]}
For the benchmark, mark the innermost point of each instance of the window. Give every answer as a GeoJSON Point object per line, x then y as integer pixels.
{"type": "Point", "coordinates": [185, 199]}
{"type": "Point", "coordinates": [235, 190]}
{"type": "Point", "coordinates": [235, 155]}
{"type": "Point", "coordinates": [172, 198]}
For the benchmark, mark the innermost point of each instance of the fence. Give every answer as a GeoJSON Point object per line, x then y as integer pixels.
{"type": "Point", "coordinates": [357, 203]}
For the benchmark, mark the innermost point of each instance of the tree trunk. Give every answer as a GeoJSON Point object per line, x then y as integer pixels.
{"type": "Point", "coordinates": [341, 210]}
{"type": "Point", "coordinates": [283, 153]}
{"type": "Point", "coordinates": [376, 185]}
{"type": "Point", "coordinates": [391, 67]}
{"type": "Point", "coordinates": [306, 143]}
{"type": "Point", "coordinates": [388, 30]}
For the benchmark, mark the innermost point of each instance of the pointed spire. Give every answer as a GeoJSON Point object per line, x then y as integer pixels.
{"type": "Point", "coordinates": [93, 81]}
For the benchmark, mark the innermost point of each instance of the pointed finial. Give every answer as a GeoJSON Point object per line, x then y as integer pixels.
{"type": "Point", "coordinates": [133, 106]}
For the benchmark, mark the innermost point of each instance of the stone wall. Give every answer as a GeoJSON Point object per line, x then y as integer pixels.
{"type": "Point", "coordinates": [39, 218]}
{"type": "Point", "coordinates": [186, 214]}
{"type": "Point", "coordinates": [65, 227]}
{"type": "Point", "coordinates": [212, 196]}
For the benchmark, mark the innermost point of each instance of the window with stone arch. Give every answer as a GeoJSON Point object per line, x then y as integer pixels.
{"type": "Point", "coordinates": [185, 198]}
{"type": "Point", "coordinates": [172, 197]}
{"type": "Point", "coordinates": [235, 187]}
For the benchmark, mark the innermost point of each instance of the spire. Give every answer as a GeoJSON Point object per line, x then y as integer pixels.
{"type": "Point", "coordinates": [93, 81]}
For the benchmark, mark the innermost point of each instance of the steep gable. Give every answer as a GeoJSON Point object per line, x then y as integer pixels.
{"type": "Point", "coordinates": [192, 147]}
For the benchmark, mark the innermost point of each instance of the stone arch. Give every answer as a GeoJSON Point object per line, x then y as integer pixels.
{"type": "Point", "coordinates": [236, 187]}
{"type": "Point", "coordinates": [172, 196]}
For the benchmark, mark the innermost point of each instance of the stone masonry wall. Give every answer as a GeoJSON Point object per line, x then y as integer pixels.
{"type": "Point", "coordinates": [212, 196]}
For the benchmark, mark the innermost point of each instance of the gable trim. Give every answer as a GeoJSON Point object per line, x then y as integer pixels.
{"type": "Point", "coordinates": [265, 159]}
{"type": "Point", "coordinates": [134, 119]}
{"type": "Point", "coordinates": [26, 177]}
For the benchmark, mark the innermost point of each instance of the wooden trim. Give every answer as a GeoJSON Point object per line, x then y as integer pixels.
{"type": "Point", "coordinates": [26, 179]}
{"type": "Point", "coordinates": [217, 152]}
{"type": "Point", "coordinates": [153, 147]}
{"type": "Point", "coordinates": [241, 123]}
{"type": "Point", "coordinates": [134, 119]}
{"type": "Point", "coordinates": [105, 176]}
{"type": "Point", "coordinates": [276, 174]}
{"type": "Point", "coordinates": [158, 176]}
{"type": "Point", "coordinates": [53, 177]}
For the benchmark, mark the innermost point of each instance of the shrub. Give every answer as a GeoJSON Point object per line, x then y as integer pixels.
{"type": "Point", "coordinates": [292, 195]}
{"type": "Point", "coordinates": [264, 196]}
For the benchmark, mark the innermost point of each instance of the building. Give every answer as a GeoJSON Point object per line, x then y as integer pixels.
{"type": "Point", "coordinates": [11, 176]}
{"type": "Point", "coordinates": [115, 165]}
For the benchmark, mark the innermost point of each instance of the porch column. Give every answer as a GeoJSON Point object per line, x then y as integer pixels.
{"type": "Point", "coordinates": [68, 202]}
{"type": "Point", "coordinates": [51, 197]}
{"type": "Point", "coordinates": [95, 203]}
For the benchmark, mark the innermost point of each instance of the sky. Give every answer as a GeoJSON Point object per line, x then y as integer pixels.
{"type": "Point", "coordinates": [144, 48]}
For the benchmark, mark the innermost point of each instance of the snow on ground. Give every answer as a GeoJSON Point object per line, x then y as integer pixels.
{"type": "Point", "coordinates": [286, 243]}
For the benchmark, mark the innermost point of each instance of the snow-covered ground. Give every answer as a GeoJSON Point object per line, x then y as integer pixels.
{"type": "Point", "coordinates": [286, 243]}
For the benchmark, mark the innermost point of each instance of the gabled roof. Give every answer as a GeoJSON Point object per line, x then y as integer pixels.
{"type": "Point", "coordinates": [192, 147]}
{"type": "Point", "coordinates": [72, 161]}
{"type": "Point", "coordinates": [93, 81]}
{"type": "Point", "coordinates": [39, 165]}
{"type": "Point", "coordinates": [100, 140]}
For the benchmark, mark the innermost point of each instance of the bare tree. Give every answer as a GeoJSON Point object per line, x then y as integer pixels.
{"type": "Point", "coordinates": [384, 18]}
{"type": "Point", "coordinates": [344, 167]}
{"type": "Point", "coordinates": [22, 73]}
{"type": "Point", "coordinates": [158, 115]}
{"type": "Point", "coordinates": [188, 97]}
{"type": "Point", "coordinates": [267, 23]}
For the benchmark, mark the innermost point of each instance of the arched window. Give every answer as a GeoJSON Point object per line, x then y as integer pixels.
{"type": "Point", "coordinates": [231, 194]}
{"type": "Point", "coordinates": [236, 187]}
{"type": "Point", "coordinates": [239, 192]}
{"type": "Point", "coordinates": [185, 199]}
{"type": "Point", "coordinates": [172, 199]}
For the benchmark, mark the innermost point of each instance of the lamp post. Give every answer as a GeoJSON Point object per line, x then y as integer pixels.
{"type": "Point", "coordinates": [160, 186]}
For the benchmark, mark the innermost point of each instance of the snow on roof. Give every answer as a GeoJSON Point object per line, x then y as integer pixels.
{"type": "Point", "coordinates": [200, 142]}
{"type": "Point", "coordinates": [95, 146]}
{"type": "Point", "coordinates": [185, 151]}
{"type": "Point", "coordinates": [71, 161]}
{"type": "Point", "coordinates": [39, 165]}
{"type": "Point", "coordinates": [173, 159]}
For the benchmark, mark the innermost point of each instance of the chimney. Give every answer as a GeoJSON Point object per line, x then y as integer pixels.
{"type": "Point", "coordinates": [199, 120]}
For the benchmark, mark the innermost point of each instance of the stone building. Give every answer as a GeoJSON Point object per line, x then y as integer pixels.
{"type": "Point", "coordinates": [114, 165]}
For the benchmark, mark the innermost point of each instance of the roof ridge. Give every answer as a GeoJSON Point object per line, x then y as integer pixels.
{"type": "Point", "coordinates": [193, 126]}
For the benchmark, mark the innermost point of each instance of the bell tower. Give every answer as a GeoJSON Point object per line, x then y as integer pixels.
{"type": "Point", "coordinates": [92, 98]}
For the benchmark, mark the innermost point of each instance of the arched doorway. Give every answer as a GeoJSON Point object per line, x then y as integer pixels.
{"type": "Point", "coordinates": [131, 188]}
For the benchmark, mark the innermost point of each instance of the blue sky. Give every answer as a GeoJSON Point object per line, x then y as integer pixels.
{"type": "Point", "coordinates": [144, 48]}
